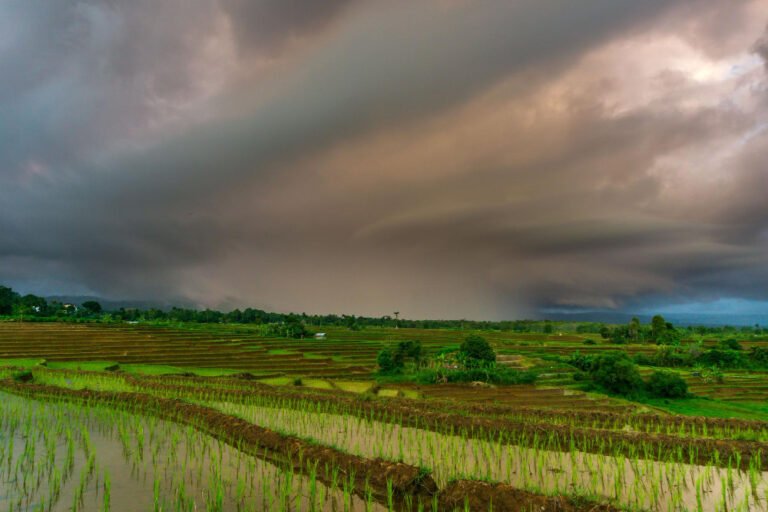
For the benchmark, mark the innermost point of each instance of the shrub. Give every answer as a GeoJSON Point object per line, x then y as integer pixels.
{"type": "Point", "coordinates": [490, 374]}
{"type": "Point", "coordinates": [476, 351]}
{"type": "Point", "coordinates": [759, 356]}
{"type": "Point", "coordinates": [671, 356]}
{"type": "Point", "coordinates": [589, 342]}
{"type": "Point", "coordinates": [580, 361]}
{"type": "Point", "coordinates": [730, 344]}
{"type": "Point", "coordinates": [388, 365]}
{"type": "Point", "coordinates": [667, 385]}
{"type": "Point", "coordinates": [722, 358]}
{"type": "Point", "coordinates": [670, 336]}
{"type": "Point", "coordinates": [23, 376]}
{"type": "Point", "coordinates": [616, 373]}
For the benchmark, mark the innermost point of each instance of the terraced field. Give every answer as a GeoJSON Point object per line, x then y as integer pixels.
{"type": "Point", "coordinates": [330, 363]}
{"type": "Point", "coordinates": [286, 448]}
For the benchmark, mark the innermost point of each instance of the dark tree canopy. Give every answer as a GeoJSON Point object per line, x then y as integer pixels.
{"type": "Point", "coordinates": [7, 299]}
{"type": "Point", "coordinates": [617, 373]}
{"type": "Point", "coordinates": [476, 351]}
{"type": "Point", "coordinates": [92, 307]}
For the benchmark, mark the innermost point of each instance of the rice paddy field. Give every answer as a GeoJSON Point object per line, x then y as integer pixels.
{"type": "Point", "coordinates": [145, 418]}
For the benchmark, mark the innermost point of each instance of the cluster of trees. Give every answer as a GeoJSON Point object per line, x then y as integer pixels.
{"type": "Point", "coordinates": [12, 303]}
{"type": "Point", "coordinates": [659, 331]}
{"type": "Point", "coordinates": [727, 354]}
{"type": "Point", "coordinates": [615, 372]}
{"type": "Point", "coordinates": [392, 360]}
{"type": "Point", "coordinates": [475, 360]}
{"type": "Point", "coordinates": [31, 306]}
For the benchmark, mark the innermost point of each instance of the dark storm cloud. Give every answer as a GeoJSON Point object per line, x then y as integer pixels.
{"type": "Point", "coordinates": [266, 25]}
{"type": "Point", "coordinates": [360, 165]}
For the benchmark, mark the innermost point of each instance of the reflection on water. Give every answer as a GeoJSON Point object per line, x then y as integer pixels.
{"type": "Point", "coordinates": [62, 457]}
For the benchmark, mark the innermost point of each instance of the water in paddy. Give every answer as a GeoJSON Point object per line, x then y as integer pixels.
{"type": "Point", "coordinates": [64, 457]}
{"type": "Point", "coordinates": [635, 483]}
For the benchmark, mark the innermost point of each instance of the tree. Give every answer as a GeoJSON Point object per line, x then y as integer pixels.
{"type": "Point", "coordinates": [617, 373]}
{"type": "Point", "coordinates": [412, 349]}
{"type": "Point", "coordinates": [92, 307]}
{"type": "Point", "coordinates": [476, 351]}
{"type": "Point", "coordinates": [667, 385]}
{"type": "Point", "coordinates": [658, 327]}
{"type": "Point", "coordinates": [386, 361]}
{"type": "Point", "coordinates": [7, 300]}
{"type": "Point", "coordinates": [670, 336]}
{"type": "Point", "coordinates": [634, 329]}
{"type": "Point", "coordinates": [730, 344]}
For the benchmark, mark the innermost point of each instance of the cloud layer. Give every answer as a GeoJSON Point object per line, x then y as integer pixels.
{"type": "Point", "coordinates": [441, 157]}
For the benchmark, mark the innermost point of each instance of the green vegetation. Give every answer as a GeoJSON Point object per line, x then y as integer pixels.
{"type": "Point", "coordinates": [667, 385]}
{"type": "Point", "coordinates": [476, 352]}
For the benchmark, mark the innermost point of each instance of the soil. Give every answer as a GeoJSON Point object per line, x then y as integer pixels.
{"type": "Point", "coordinates": [505, 498]}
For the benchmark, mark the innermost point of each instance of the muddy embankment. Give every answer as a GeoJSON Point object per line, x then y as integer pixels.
{"type": "Point", "coordinates": [410, 485]}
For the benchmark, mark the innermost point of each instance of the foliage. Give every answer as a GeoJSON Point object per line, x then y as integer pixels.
{"type": "Point", "coordinates": [386, 362]}
{"type": "Point", "coordinates": [92, 306]}
{"type": "Point", "coordinates": [476, 352]}
{"type": "Point", "coordinates": [7, 300]}
{"type": "Point", "coordinates": [392, 360]}
{"type": "Point", "coordinates": [658, 327]}
{"type": "Point", "coordinates": [669, 336]}
{"type": "Point", "coordinates": [616, 373]}
{"type": "Point", "coordinates": [722, 358]}
{"type": "Point", "coordinates": [292, 328]}
{"type": "Point", "coordinates": [666, 384]}
{"type": "Point", "coordinates": [730, 344]}
{"type": "Point", "coordinates": [23, 376]}
{"type": "Point", "coordinates": [492, 374]}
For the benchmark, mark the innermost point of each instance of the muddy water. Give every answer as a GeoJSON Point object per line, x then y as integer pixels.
{"type": "Point", "coordinates": [63, 457]}
{"type": "Point", "coordinates": [636, 483]}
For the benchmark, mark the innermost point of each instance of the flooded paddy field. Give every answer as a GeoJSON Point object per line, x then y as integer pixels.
{"type": "Point", "coordinates": [636, 483]}
{"type": "Point", "coordinates": [64, 457]}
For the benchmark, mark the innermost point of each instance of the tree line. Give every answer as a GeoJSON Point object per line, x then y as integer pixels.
{"type": "Point", "coordinates": [32, 307]}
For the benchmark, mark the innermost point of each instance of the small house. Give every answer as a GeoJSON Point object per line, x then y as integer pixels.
{"type": "Point", "coordinates": [320, 336]}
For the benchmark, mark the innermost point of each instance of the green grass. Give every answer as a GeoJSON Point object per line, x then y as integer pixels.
{"type": "Point", "coordinates": [281, 352]}
{"type": "Point", "coordinates": [352, 386]}
{"type": "Point", "coordinates": [711, 408]}
{"type": "Point", "coordinates": [278, 381]}
{"type": "Point", "coordinates": [312, 355]}
{"type": "Point", "coordinates": [316, 383]}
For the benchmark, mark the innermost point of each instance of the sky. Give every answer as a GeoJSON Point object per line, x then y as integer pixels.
{"type": "Point", "coordinates": [485, 159]}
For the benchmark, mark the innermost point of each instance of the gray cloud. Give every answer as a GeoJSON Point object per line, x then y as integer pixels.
{"type": "Point", "coordinates": [454, 158]}
{"type": "Point", "coordinates": [266, 25]}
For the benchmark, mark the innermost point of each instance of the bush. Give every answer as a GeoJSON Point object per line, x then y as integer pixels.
{"type": "Point", "coordinates": [388, 365]}
{"type": "Point", "coordinates": [667, 385]}
{"type": "Point", "coordinates": [616, 373]}
{"type": "Point", "coordinates": [669, 336]}
{"type": "Point", "coordinates": [476, 351]}
{"type": "Point", "coordinates": [589, 342]}
{"type": "Point", "coordinates": [580, 361]}
{"type": "Point", "coordinates": [730, 344]}
{"type": "Point", "coordinates": [722, 358]}
{"type": "Point", "coordinates": [23, 376]}
{"type": "Point", "coordinates": [759, 356]}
